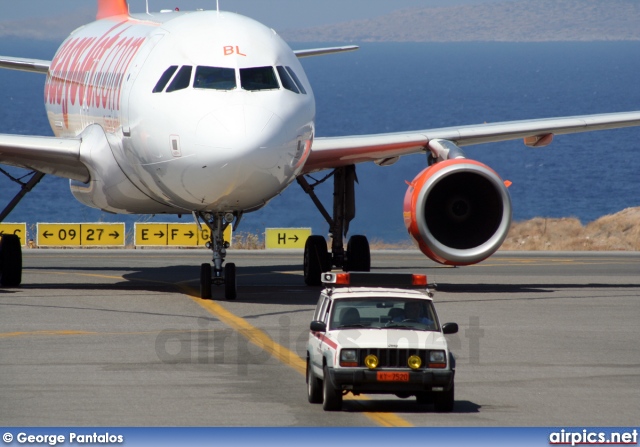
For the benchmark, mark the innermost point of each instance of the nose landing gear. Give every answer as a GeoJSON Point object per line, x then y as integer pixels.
{"type": "Point", "coordinates": [216, 274]}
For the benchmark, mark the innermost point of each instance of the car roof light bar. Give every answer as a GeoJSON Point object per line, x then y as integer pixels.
{"type": "Point", "coordinates": [365, 279]}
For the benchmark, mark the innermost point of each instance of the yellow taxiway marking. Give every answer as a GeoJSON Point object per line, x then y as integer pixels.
{"type": "Point", "coordinates": [71, 332]}
{"type": "Point", "coordinates": [45, 333]}
{"type": "Point", "coordinates": [283, 354]}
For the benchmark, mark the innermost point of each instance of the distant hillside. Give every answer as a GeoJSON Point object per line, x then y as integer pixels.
{"type": "Point", "coordinates": [508, 21]}
{"type": "Point", "coordinates": [620, 231]}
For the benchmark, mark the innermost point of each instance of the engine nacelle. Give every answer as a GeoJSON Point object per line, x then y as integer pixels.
{"type": "Point", "coordinates": [458, 211]}
{"type": "Point", "coordinates": [108, 188]}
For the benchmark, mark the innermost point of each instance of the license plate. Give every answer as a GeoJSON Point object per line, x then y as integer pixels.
{"type": "Point", "coordinates": [383, 376]}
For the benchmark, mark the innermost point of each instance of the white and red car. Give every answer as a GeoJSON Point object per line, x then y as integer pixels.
{"type": "Point", "coordinates": [378, 334]}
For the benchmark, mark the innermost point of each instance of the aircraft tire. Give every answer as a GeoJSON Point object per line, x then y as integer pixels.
{"type": "Point", "coordinates": [10, 260]}
{"type": "Point", "coordinates": [315, 260]}
{"type": "Point", "coordinates": [358, 254]}
{"type": "Point", "coordinates": [230, 285]}
{"type": "Point", "coordinates": [205, 281]}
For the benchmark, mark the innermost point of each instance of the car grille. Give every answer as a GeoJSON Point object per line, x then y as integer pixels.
{"type": "Point", "coordinates": [394, 358]}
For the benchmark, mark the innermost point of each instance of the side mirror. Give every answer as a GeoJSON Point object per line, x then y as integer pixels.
{"type": "Point", "coordinates": [450, 328]}
{"type": "Point", "coordinates": [319, 326]}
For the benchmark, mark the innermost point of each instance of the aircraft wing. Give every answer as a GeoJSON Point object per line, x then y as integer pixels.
{"type": "Point", "coordinates": [332, 152]}
{"type": "Point", "coordinates": [23, 64]}
{"type": "Point", "coordinates": [50, 155]}
{"type": "Point", "coordinates": [323, 51]}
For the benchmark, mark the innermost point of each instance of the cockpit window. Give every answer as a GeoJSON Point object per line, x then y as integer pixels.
{"type": "Point", "coordinates": [182, 79]}
{"type": "Point", "coordinates": [258, 78]}
{"type": "Point", "coordinates": [215, 78]}
{"type": "Point", "coordinates": [297, 79]}
{"type": "Point", "coordinates": [286, 80]}
{"type": "Point", "coordinates": [164, 79]}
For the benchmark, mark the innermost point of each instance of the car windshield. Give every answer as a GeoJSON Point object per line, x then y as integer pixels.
{"type": "Point", "coordinates": [383, 312]}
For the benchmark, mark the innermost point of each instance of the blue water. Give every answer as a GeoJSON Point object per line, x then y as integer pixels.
{"type": "Point", "coordinates": [396, 87]}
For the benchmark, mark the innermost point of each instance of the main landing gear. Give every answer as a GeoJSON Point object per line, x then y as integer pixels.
{"type": "Point", "coordinates": [216, 274]}
{"type": "Point", "coordinates": [10, 244]}
{"type": "Point", "coordinates": [357, 257]}
{"type": "Point", "coordinates": [10, 260]}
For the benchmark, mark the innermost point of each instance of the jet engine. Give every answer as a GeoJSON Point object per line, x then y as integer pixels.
{"type": "Point", "coordinates": [458, 211]}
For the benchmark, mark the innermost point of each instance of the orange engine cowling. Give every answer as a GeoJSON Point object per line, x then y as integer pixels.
{"type": "Point", "coordinates": [458, 211]}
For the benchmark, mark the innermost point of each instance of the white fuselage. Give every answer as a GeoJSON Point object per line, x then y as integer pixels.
{"type": "Point", "coordinates": [191, 120]}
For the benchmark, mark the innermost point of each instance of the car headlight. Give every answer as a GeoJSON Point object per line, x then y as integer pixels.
{"type": "Point", "coordinates": [349, 357]}
{"type": "Point", "coordinates": [437, 359]}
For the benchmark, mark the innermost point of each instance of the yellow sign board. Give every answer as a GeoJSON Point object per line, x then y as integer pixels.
{"type": "Point", "coordinates": [58, 235]}
{"type": "Point", "coordinates": [151, 234]}
{"type": "Point", "coordinates": [182, 235]}
{"type": "Point", "coordinates": [19, 229]}
{"type": "Point", "coordinates": [102, 234]}
{"type": "Point", "coordinates": [85, 235]}
{"type": "Point", "coordinates": [286, 238]}
{"type": "Point", "coordinates": [174, 235]}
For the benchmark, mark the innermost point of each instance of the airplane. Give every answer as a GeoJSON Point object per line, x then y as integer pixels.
{"type": "Point", "coordinates": [210, 113]}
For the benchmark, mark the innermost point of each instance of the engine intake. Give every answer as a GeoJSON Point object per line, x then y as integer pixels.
{"type": "Point", "coordinates": [458, 211]}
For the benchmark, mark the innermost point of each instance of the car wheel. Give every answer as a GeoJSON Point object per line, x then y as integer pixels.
{"type": "Point", "coordinates": [443, 402]}
{"type": "Point", "coordinates": [331, 397]}
{"type": "Point", "coordinates": [424, 398]}
{"type": "Point", "coordinates": [314, 386]}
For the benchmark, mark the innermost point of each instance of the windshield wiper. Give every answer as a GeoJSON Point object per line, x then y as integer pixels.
{"type": "Point", "coordinates": [351, 325]}
{"type": "Point", "coordinates": [399, 325]}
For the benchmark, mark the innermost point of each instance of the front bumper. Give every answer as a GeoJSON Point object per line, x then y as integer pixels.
{"type": "Point", "coordinates": [361, 380]}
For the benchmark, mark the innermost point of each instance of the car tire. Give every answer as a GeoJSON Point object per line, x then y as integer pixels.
{"type": "Point", "coordinates": [314, 386]}
{"type": "Point", "coordinates": [424, 398]}
{"type": "Point", "coordinates": [331, 397]}
{"type": "Point", "coordinates": [443, 402]}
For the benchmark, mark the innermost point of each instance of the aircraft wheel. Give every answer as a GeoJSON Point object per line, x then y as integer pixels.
{"type": "Point", "coordinates": [358, 254]}
{"type": "Point", "coordinates": [230, 286]}
{"type": "Point", "coordinates": [10, 260]}
{"type": "Point", "coordinates": [315, 260]}
{"type": "Point", "coordinates": [205, 281]}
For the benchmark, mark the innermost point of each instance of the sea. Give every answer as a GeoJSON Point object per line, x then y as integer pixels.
{"type": "Point", "coordinates": [392, 87]}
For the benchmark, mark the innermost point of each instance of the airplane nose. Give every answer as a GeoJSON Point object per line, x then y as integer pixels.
{"type": "Point", "coordinates": [238, 129]}
{"type": "Point", "coordinates": [241, 149]}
